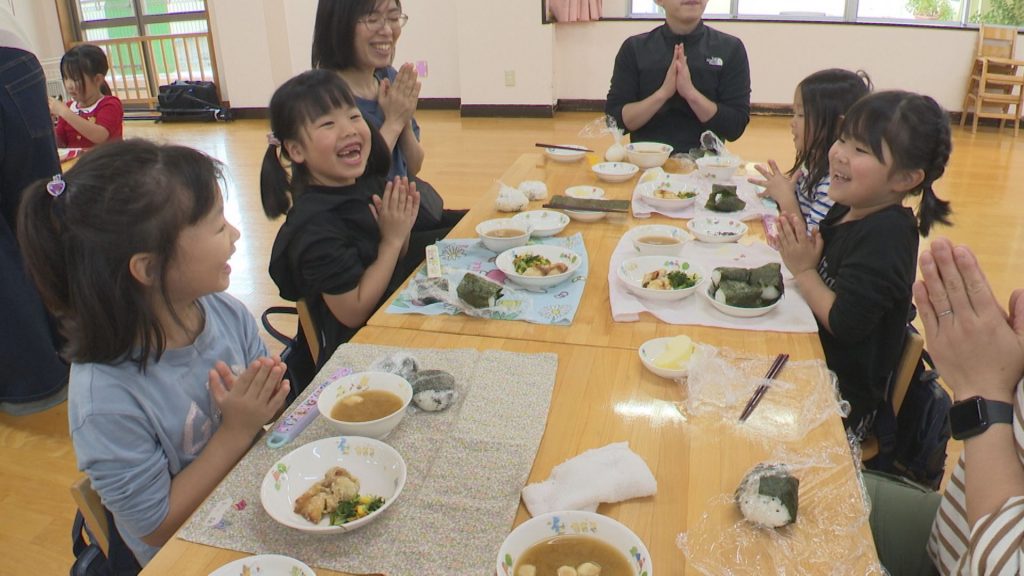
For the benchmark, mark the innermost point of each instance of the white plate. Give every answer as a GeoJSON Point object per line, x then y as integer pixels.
{"type": "Point", "coordinates": [652, 349]}
{"type": "Point", "coordinates": [644, 249]}
{"type": "Point", "coordinates": [737, 311]}
{"type": "Point", "coordinates": [615, 171]}
{"type": "Point", "coordinates": [552, 253]}
{"type": "Point", "coordinates": [585, 215]}
{"type": "Point", "coordinates": [544, 222]}
{"type": "Point", "coordinates": [716, 229]}
{"type": "Point", "coordinates": [570, 522]}
{"type": "Point", "coordinates": [631, 273]}
{"type": "Point", "coordinates": [584, 191]}
{"type": "Point", "coordinates": [378, 467]}
{"type": "Point", "coordinates": [265, 565]}
{"type": "Point", "coordinates": [560, 155]}
{"type": "Point", "coordinates": [648, 196]}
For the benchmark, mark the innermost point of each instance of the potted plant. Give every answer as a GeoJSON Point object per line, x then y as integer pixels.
{"type": "Point", "coordinates": [931, 9]}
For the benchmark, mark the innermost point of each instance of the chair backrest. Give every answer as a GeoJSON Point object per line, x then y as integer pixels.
{"type": "Point", "coordinates": [310, 330]}
{"type": "Point", "coordinates": [89, 503]}
{"type": "Point", "coordinates": [997, 41]}
{"type": "Point", "coordinates": [912, 349]}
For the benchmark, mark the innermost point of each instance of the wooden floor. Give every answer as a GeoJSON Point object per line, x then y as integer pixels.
{"type": "Point", "coordinates": [464, 158]}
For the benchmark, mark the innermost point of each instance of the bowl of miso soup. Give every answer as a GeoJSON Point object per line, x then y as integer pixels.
{"type": "Point", "coordinates": [589, 543]}
{"type": "Point", "coordinates": [369, 404]}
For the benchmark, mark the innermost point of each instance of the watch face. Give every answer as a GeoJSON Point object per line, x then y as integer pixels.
{"type": "Point", "coordinates": [967, 418]}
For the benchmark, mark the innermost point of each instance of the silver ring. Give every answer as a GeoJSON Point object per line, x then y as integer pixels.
{"type": "Point", "coordinates": [945, 313]}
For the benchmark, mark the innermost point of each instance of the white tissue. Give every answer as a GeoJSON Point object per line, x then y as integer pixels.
{"type": "Point", "coordinates": [612, 473]}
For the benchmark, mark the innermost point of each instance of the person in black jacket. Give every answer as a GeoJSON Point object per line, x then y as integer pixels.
{"type": "Point", "coordinates": [671, 84]}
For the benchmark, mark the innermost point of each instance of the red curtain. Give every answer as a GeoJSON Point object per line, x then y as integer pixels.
{"type": "Point", "coordinates": [575, 10]}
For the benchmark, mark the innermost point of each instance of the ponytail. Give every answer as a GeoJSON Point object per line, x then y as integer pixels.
{"type": "Point", "coordinates": [105, 89]}
{"type": "Point", "coordinates": [931, 210]}
{"type": "Point", "coordinates": [274, 186]}
{"type": "Point", "coordinates": [40, 234]}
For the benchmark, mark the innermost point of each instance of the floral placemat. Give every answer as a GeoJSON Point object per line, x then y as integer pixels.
{"type": "Point", "coordinates": [554, 305]}
{"type": "Point", "coordinates": [466, 468]}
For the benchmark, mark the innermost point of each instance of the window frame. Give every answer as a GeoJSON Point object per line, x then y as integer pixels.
{"type": "Point", "coordinates": [849, 17]}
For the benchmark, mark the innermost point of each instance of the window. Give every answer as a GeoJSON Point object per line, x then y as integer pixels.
{"type": "Point", "coordinates": [793, 8]}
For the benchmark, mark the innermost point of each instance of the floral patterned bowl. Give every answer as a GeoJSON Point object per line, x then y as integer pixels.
{"type": "Point", "coordinates": [632, 270]}
{"type": "Point", "coordinates": [359, 382]}
{"type": "Point", "coordinates": [264, 565]}
{"type": "Point", "coordinates": [378, 467]}
{"type": "Point", "coordinates": [575, 523]}
{"type": "Point", "coordinates": [505, 263]}
{"type": "Point", "coordinates": [715, 229]}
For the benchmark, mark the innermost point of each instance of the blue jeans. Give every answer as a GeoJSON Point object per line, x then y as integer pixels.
{"type": "Point", "coordinates": [31, 369]}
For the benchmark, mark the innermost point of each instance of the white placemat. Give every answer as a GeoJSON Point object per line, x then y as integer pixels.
{"type": "Point", "coordinates": [791, 315]}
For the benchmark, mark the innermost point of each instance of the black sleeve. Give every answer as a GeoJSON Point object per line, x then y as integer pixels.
{"type": "Point", "coordinates": [625, 85]}
{"type": "Point", "coordinates": [733, 97]}
{"type": "Point", "coordinates": [871, 280]}
{"type": "Point", "coordinates": [330, 264]}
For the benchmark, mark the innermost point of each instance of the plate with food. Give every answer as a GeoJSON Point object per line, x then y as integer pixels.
{"type": "Point", "coordinates": [538, 266]}
{"type": "Point", "coordinates": [668, 357]}
{"type": "Point", "coordinates": [669, 194]}
{"type": "Point", "coordinates": [333, 485]}
{"type": "Point", "coordinates": [746, 292]}
{"type": "Point", "coordinates": [587, 542]}
{"type": "Point", "coordinates": [661, 278]}
{"type": "Point", "coordinates": [716, 229]}
{"type": "Point", "coordinates": [264, 565]}
{"type": "Point", "coordinates": [543, 223]}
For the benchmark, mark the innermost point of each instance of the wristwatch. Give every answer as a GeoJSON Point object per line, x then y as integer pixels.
{"type": "Point", "coordinates": [974, 415]}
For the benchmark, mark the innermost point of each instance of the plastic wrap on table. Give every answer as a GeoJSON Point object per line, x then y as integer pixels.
{"type": "Point", "coordinates": [445, 289]}
{"type": "Point", "coordinates": [829, 537]}
{"type": "Point", "coordinates": [604, 126]}
{"type": "Point", "coordinates": [801, 398]}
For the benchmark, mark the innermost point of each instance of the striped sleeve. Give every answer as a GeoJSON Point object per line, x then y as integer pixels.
{"type": "Point", "coordinates": [815, 204]}
{"type": "Point", "coordinates": [995, 545]}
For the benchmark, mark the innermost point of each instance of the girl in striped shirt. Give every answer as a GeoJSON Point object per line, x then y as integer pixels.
{"type": "Point", "coordinates": [819, 104]}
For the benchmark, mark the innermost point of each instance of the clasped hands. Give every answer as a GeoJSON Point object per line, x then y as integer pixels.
{"type": "Point", "coordinates": [399, 98]}
{"type": "Point", "coordinates": [677, 78]}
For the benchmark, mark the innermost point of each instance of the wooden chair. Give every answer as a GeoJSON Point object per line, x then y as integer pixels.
{"type": "Point", "coordinates": [995, 87]}
{"type": "Point", "coordinates": [88, 501]}
{"type": "Point", "coordinates": [912, 349]}
{"type": "Point", "coordinates": [313, 339]}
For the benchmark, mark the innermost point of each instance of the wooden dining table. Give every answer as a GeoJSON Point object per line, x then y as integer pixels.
{"type": "Point", "coordinates": [603, 394]}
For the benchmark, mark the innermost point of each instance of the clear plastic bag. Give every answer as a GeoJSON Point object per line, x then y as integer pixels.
{"type": "Point", "coordinates": [512, 303]}
{"type": "Point", "coordinates": [801, 398]}
{"type": "Point", "coordinates": [830, 535]}
{"type": "Point", "coordinates": [601, 127]}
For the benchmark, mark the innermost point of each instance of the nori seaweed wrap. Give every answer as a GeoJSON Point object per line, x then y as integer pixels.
{"type": "Point", "coordinates": [477, 291]}
{"type": "Point", "coordinates": [726, 273]}
{"type": "Point", "coordinates": [748, 287]}
{"type": "Point", "coordinates": [739, 294]}
{"type": "Point", "coordinates": [723, 198]}
{"type": "Point", "coordinates": [769, 495]}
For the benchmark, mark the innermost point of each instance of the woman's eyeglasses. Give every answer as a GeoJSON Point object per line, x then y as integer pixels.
{"type": "Point", "coordinates": [375, 22]}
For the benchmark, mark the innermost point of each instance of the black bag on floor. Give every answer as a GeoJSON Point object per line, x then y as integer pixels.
{"type": "Point", "coordinates": [190, 99]}
{"type": "Point", "coordinates": [89, 558]}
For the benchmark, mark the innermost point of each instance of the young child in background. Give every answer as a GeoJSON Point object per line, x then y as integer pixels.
{"type": "Point", "coordinates": [819, 104]}
{"type": "Point", "coordinates": [345, 244]}
{"type": "Point", "coordinates": [856, 270]}
{"type": "Point", "coordinates": [170, 382]}
{"type": "Point", "coordinates": [93, 115]}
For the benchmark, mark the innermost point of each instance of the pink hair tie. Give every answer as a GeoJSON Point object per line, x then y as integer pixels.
{"type": "Point", "coordinates": [272, 140]}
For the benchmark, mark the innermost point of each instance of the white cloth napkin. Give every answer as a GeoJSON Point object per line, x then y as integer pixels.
{"type": "Point", "coordinates": [651, 178]}
{"type": "Point", "coordinates": [791, 315]}
{"type": "Point", "coordinates": [612, 473]}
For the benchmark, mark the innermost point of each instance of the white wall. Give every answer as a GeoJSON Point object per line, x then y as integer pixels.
{"type": "Point", "coordinates": [468, 45]}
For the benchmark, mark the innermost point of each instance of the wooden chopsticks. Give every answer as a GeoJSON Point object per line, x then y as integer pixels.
{"type": "Point", "coordinates": [776, 367]}
{"type": "Point", "coordinates": [559, 147]}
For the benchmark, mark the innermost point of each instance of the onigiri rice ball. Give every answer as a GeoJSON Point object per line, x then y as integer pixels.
{"type": "Point", "coordinates": [769, 495]}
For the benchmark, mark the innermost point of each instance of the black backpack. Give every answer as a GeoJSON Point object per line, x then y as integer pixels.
{"type": "Point", "coordinates": [913, 443]}
{"type": "Point", "coordinates": [89, 558]}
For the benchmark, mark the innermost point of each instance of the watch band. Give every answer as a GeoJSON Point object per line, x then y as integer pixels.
{"type": "Point", "coordinates": [999, 412]}
{"type": "Point", "coordinates": [975, 415]}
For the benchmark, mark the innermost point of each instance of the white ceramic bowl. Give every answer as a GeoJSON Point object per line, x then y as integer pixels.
{"type": "Point", "coordinates": [648, 154]}
{"type": "Point", "coordinates": [378, 467]}
{"type": "Point", "coordinates": [500, 244]}
{"type": "Point", "coordinates": [572, 522]}
{"type": "Point", "coordinates": [716, 229]}
{"type": "Point", "coordinates": [264, 564]}
{"type": "Point", "coordinates": [615, 171]}
{"type": "Point", "coordinates": [561, 155]}
{"type": "Point", "coordinates": [631, 273]}
{"type": "Point", "coordinates": [737, 311]}
{"type": "Point", "coordinates": [648, 194]}
{"type": "Point", "coordinates": [585, 192]}
{"type": "Point", "coordinates": [718, 167]}
{"type": "Point", "coordinates": [653, 348]}
{"type": "Point", "coordinates": [544, 222]}
{"type": "Point", "coordinates": [361, 382]}
{"type": "Point", "coordinates": [638, 234]}
{"type": "Point", "coordinates": [504, 262]}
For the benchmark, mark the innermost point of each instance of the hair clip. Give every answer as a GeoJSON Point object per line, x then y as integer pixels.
{"type": "Point", "coordinates": [272, 140]}
{"type": "Point", "coordinates": [56, 186]}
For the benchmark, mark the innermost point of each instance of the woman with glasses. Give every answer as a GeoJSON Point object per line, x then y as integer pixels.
{"type": "Point", "coordinates": [357, 38]}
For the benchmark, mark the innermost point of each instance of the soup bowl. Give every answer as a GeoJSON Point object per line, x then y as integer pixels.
{"type": "Point", "coordinates": [615, 171]}
{"type": "Point", "coordinates": [718, 167]}
{"type": "Point", "coordinates": [379, 468]}
{"type": "Point", "coordinates": [716, 229]}
{"type": "Point", "coordinates": [574, 523]}
{"type": "Point", "coordinates": [496, 234]}
{"type": "Point", "coordinates": [658, 239]}
{"type": "Point", "coordinates": [363, 382]}
{"type": "Point", "coordinates": [648, 154]}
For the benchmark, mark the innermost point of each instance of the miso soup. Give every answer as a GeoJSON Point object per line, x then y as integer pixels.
{"type": "Point", "coordinates": [657, 240]}
{"type": "Point", "coordinates": [366, 406]}
{"type": "Point", "coordinates": [551, 554]}
{"type": "Point", "coordinates": [504, 233]}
